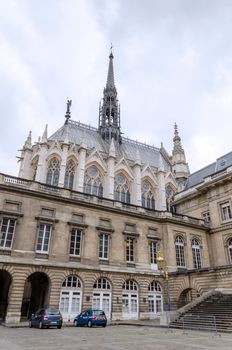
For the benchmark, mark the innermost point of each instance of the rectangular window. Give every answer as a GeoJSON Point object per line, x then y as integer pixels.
{"type": "Point", "coordinates": [153, 252]}
{"type": "Point", "coordinates": [43, 239]}
{"type": "Point", "coordinates": [206, 216]}
{"type": "Point", "coordinates": [7, 233]}
{"type": "Point", "coordinates": [130, 249]}
{"type": "Point", "coordinates": [75, 242]}
{"type": "Point", "coordinates": [226, 211]}
{"type": "Point", "coordinates": [103, 246]}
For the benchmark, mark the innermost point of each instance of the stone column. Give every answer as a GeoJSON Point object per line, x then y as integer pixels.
{"type": "Point", "coordinates": [161, 196]}
{"type": "Point", "coordinates": [15, 300]}
{"type": "Point", "coordinates": [136, 187]}
{"type": "Point", "coordinates": [81, 170]}
{"type": "Point", "coordinates": [42, 166]}
{"type": "Point", "coordinates": [63, 165]}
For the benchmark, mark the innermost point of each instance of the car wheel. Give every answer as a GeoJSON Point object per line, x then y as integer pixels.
{"type": "Point", "coordinates": [89, 324]}
{"type": "Point", "coordinates": [59, 327]}
{"type": "Point", "coordinates": [30, 324]}
{"type": "Point", "coordinates": [40, 325]}
{"type": "Point", "coordinates": [76, 323]}
{"type": "Point", "coordinates": [104, 325]}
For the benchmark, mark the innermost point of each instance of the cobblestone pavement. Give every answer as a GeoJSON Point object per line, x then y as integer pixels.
{"type": "Point", "coordinates": [110, 338]}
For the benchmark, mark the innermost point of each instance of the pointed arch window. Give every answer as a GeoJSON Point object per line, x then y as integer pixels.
{"type": "Point", "coordinates": [53, 172]}
{"type": "Point", "coordinates": [169, 197]}
{"type": "Point", "coordinates": [69, 174]}
{"type": "Point", "coordinates": [148, 200]}
{"type": "Point", "coordinates": [179, 245]}
{"type": "Point", "coordinates": [121, 189]}
{"type": "Point", "coordinates": [230, 249]}
{"type": "Point", "coordinates": [93, 182]}
{"type": "Point", "coordinates": [196, 250]}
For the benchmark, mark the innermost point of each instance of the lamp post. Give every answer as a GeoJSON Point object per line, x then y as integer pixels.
{"type": "Point", "coordinates": [161, 262]}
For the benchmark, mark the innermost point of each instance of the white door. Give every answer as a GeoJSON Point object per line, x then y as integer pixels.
{"type": "Point", "coordinates": [102, 301]}
{"type": "Point", "coordinates": [130, 306]}
{"type": "Point", "coordinates": [70, 304]}
{"type": "Point", "coordinates": [155, 304]}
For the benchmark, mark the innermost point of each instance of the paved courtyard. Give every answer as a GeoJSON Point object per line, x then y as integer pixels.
{"type": "Point", "coordinates": [110, 338]}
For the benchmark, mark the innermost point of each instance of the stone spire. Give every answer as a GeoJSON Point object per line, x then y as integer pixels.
{"type": "Point", "coordinates": [68, 112]}
{"type": "Point", "coordinates": [180, 167]}
{"type": "Point", "coordinates": [109, 110]}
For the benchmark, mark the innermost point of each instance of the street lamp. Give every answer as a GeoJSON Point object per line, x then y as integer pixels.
{"type": "Point", "coordinates": [162, 266]}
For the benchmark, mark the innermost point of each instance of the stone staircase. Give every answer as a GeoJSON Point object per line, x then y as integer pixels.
{"type": "Point", "coordinates": [211, 314]}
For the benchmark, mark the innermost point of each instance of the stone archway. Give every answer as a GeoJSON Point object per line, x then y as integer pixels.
{"type": "Point", "coordinates": [5, 282]}
{"type": "Point", "coordinates": [187, 296]}
{"type": "Point", "coordinates": [36, 292]}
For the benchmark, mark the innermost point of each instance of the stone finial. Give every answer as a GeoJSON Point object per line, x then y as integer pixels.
{"type": "Point", "coordinates": [137, 157]}
{"type": "Point", "coordinates": [68, 111]}
{"type": "Point", "coordinates": [28, 141]}
{"type": "Point", "coordinates": [84, 140]}
{"type": "Point", "coordinates": [45, 135]}
{"type": "Point", "coordinates": [112, 148]}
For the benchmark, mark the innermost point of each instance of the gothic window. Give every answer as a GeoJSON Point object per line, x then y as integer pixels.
{"type": "Point", "coordinates": [169, 197]}
{"type": "Point", "coordinates": [69, 174]}
{"type": "Point", "coordinates": [53, 172]}
{"type": "Point", "coordinates": [93, 182]}
{"type": "Point", "coordinates": [147, 196]}
{"type": "Point", "coordinates": [7, 232]}
{"type": "Point", "coordinates": [196, 254]}
{"type": "Point", "coordinates": [121, 189]}
{"type": "Point", "coordinates": [179, 245]}
{"type": "Point", "coordinates": [230, 250]}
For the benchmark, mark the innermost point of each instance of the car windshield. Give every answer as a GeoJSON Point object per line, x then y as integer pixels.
{"type": "Point", "coordinates": [52, 311]}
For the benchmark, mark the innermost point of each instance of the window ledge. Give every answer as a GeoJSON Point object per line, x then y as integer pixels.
{"type": "Point", "coordinates": [74, 258]}
{"type": "Point", "coordinates": [5, 251]}
{"type": "Point", "coordinates": [41, 256]}
{"type": "Point", "coordinates": [130, 264]}
{"type": "Point", "coordinates": [103, 262]}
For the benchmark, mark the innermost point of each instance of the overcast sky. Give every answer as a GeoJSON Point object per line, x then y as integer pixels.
{"type": "Point", "coordinates": [172, 63]}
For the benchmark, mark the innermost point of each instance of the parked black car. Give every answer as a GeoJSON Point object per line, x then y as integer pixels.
{"type": "Point", "coordinates": [91, 318]}
{"type": "Point", "coordinates": [46, 318]}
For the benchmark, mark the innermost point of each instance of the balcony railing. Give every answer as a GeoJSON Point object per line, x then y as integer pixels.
{"type": "Point", "coordinates": [104, 202]}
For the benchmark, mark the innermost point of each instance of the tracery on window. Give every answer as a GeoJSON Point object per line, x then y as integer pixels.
{"type": "Point", "coordinates": [93, 182]}
{"type": "Point", "coordinates": [121, 189]}
{"type": "Point", "coordinates": [148, 200]}
{"type": "Point", "coordinates": [53, 172]}
{"type": "Point", "coordinates": [69, 174]}
{"type": "Point", "coordinates": [169, 197]}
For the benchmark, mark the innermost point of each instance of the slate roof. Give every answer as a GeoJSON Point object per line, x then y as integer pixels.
{"type": "Point", "coordinates": [221, 164]}
{"type": "Point", "coordinates": [148, 154]}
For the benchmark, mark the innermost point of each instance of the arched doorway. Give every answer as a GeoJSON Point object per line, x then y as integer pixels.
{"type": "Point", "coordinates": [102, 296]}
{"type": "Point", "coordinates": [187, 296]}
{"type": "Point", "coordinates": [130, 300]}
{"type": "Point", "coordinates": [71, 297]}
{"type": "Point", "coordinates": [35, 294]}
{"type": "Point", "coordinates": [5, 281]}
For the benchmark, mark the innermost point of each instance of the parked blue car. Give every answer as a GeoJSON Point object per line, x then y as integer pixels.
{"type": "Point", "coordinates": [91, 318]}
{"type": "Point", "coordinates": [46, 318]}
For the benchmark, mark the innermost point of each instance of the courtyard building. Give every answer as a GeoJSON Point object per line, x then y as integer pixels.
{"type": "Point", "coordinates": [85, 221]}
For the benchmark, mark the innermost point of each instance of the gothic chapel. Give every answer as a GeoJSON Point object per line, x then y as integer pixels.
{"type": "Point", "coordinates": [92, 213]}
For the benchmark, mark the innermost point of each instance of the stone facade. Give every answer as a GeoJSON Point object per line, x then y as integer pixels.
{"type": "Point", "coordinates": [91, 213]}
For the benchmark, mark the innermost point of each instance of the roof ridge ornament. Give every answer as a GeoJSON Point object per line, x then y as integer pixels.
{"type": "Point", "coordinates": [68, 111]}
